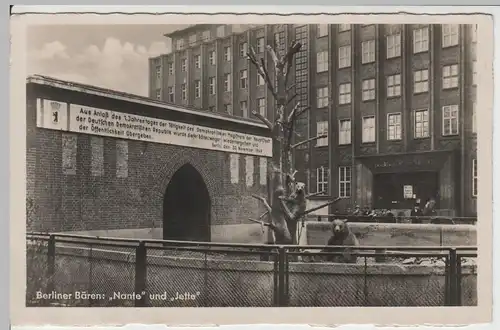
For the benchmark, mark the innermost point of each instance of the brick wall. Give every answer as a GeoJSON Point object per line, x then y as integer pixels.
{"type": "Point", "coordinates": [105, 187]}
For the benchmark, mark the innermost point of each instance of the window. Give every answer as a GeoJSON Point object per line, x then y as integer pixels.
{"type": "Point", "coordinates": [322, 179]}
{"type": "Point", "coordinates": [474, 73]}
{"type": "Point", "coordinates": [368, 89]}
{"type": "Point", "coordinates": [211, 57]}
{"type": "Point", "coordinates": [263, 170]}
{"type": "Point", "coordinates": [322, 30]}
{"type": "Point", "coordinates": [322, 97]}
{"type": "Point", "coordinates": [394, 85]}
{"type": "Point", "coordinates": [394, 126]}
{"type": "Point", "coordinates": [260, 80]}
{"type": "Point", "coordinates": [121, 159]}
{"type": "Point", "coordinates": [450, 35]}
{"type": "Point", "coordinates": [394, 45]}
{"type": "Point", "coordinates": [322, 61]}
{"type": "Point", "coordinates": [421, 81]}
{"type": "Point", "coordinates": [249, 169]}
{"type": "Point", "coordinates": [345, 93]}
{"type": "Point", "coordinates": [234, 167]}
{"type": "Point", "coordinates": [197, 61]}
{"type": "Point", "coordinates": [450, 76]}
{"type": "Point", "coordinates": [243, 79]}
{"type": "Point", "coordinates": [69, 151]}
{"type": "Point", "coordinates": [345, 131]}
{"type": "Point", "coordinates": [228, 109]}
{"type": "Point", "coordinates": [344, 181]}
{"type": "Point", "coordinates": [227, 82]}
{"type": "Point", "coordinates": [211, 86]}
{"type": "Point", "coordinates": [170, 68]}
{"type": "Point", "coordinates": [260, 45]}
{"type": "Point", "coordinates": [158, 94]}
{"type": "Point", "coordinates": [184, 65]}
{"type": "Point", "coordinates": [97, 155]}
{"type": "Point", "coordinates": [421, 121]}
{"type": "Point", "coordinates": [450, 120]}
{"type": "Point", "coordinates": [474, 118]}
{"type": "Point", "coordinates": [368, 51]}
{"type": "Point", "coordinates": [171, 94]}
{"type": "Point", "coordinates": [197, 88]}
{"type": "Point", "coordinates": [184, 92]}
{"type": "Point", "coordinates": [192, 39]}
{"type": "Point", "coordinates": [474, 178]}
{"type": "Point", "coordinates": [243, 49]}
{"type": "Point", "coordinates": [221, 31]}
{"type": "Point", "coordinates": [322, 128]}
{"type": "Point", "coordinates": [206, 35]}
{"type": "Point", "coordinates": [344, 56]}
{"type": "Point", "coordinates": [344, 27]}
{"type": "Point", "coordinates": [179, 44]}
{"type": "Point", "coordinates": [368, 134]}
{"type": "Point", "coordinates": [244, 108]}
{"type": "Point", "coordinates": [420, 40]}
{"type": "Point", "coordinates": [227, 54]}
{"type": "Point", "coordinates": [158, 75]}
{"type": "Point", "coordinates": [261, 105]}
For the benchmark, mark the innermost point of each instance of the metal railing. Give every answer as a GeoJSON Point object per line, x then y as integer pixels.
{"type": "Point", "coordinates": [434, 219]}
{"type": "Point", "coordinates": [76, 270]}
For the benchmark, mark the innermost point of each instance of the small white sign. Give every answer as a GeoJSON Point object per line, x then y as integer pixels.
{"type": "Point", "coordinates": [94, 121]}
{"type": "Point", "coordinates": [408, 191]}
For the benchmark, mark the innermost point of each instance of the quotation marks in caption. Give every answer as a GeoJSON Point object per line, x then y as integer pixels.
{"type": "Point", "coordinates": [83, 295]}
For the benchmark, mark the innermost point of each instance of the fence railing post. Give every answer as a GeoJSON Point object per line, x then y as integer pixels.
{"type": "Point", "coordinates": [140, 274]}
{"type": "Point", "coordinates": [453, 278]}
{"type": "Point", "coordinates": [51, 263]}
{"type": "Point", "coordinates": [282, 299]}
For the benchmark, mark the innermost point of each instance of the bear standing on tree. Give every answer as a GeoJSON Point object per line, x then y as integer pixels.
{"type": "Point", "coordinates": [342, 236]}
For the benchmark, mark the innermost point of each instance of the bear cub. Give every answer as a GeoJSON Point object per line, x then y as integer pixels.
{"type": "Point", "coordinates": [342, 236]}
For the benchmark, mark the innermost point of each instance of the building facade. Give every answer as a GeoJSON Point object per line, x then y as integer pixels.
{"type": "Point", "coordinates": [96, 164]}
{"type": "Point", "coordinates": [398, 102]}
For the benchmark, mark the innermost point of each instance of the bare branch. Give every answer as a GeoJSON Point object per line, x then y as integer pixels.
{"type": "Point", "coordinates": [263, 214]}
{"type": "Point", "coordinates": [291, 99]}
{"type": "Point", "coordinates": [288, 214]}
{"type": "Point", "coordinates": [262, 223]}
{"type": "Point", "coordinates": [264, 120]}
{"type": "Point", "coordinates": [315, 194]}
{"type": "Point", "coordinates": [292, 113]}
{"type": "Point", "coordinates": [273, 55]}
{"type": "Point", "coordinates": [309, 140]}
{"type": "Point", "coordinates": [267, 78]}
{"type": "Point", "coordinates": [303, 110]}
{"type": "Point", "coordinates": [289, 88]}
{"type": "Point", "coordinates": [321, 206]}
{"type": "Point", "coordinates": [263, 200]}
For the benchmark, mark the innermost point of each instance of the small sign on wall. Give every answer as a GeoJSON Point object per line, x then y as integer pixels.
{"type": "Point", "coordinates": [52, 114]}
{"type": "Point", "coordinates": [408, 192]}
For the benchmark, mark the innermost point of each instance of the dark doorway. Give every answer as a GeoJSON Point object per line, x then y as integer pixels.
{"type": "Point", "coordinates": [186, 207]}
{"type": "Point", "coordinates": [389, 189]}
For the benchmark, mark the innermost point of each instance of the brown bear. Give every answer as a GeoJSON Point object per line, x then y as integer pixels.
{"type": "Point", "coordinates": [342, 236]}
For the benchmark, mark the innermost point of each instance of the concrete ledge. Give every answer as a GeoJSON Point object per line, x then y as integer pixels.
{"type": "Point", "coordinates": [397, 234]}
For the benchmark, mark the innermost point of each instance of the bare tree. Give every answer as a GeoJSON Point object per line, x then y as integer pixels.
{"type": "Point", "coordinates": [286, 201]}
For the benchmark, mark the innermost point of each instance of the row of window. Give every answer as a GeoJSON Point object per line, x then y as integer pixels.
{"type": "Point", "coordinates": [450, 79]}
{"type": "Point", "coordinates": [421, 126]}
{"type": "Point", "coordinates": [450, 37]}
{"type": "Point", "coordinates": [345, 179]}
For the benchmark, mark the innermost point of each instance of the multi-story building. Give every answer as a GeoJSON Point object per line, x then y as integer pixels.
{"type": "Point", "coordinates": [398, 101]}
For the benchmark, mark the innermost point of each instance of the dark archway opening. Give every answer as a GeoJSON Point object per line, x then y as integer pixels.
{"type": "Point", "coordinates": [186, 207]}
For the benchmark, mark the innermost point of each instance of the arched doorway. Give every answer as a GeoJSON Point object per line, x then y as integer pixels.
{"type": "Point", "coordinates": [186, 207]}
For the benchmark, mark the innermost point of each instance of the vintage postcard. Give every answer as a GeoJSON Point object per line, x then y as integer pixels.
{"type": "Point", "coordinates": [170, 168]}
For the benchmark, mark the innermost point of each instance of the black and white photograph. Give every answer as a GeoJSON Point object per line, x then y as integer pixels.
{"type": "Point", "coordinates": [253, 165]}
